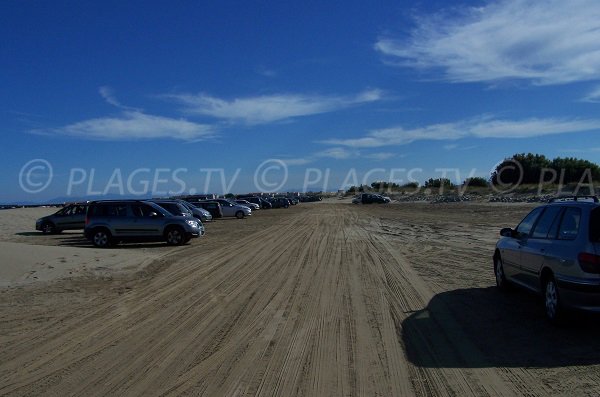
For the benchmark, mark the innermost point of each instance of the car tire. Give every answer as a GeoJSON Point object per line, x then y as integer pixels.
{"type": "Point", "coordinates": [552, 303]}
{"type": "Point", "coordinates": [48, 228]}
{"type": "Point", "coordinates": [500, 276]}
{"type": "Point", "coordinates": [240, 214]}
{"type": "Point", "coordinates": [175, 236]}
{"type": "Point", "coordinates": [101, 238]}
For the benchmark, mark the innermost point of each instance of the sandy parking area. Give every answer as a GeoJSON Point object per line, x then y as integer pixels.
{"type": "Point", "coordinates": [322, 299]}
{"type": "Point", "coordinates": [28, 256]}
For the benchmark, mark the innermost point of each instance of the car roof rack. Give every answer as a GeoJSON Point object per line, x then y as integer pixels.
{"type": "Point", "coordinates": [574, 198]}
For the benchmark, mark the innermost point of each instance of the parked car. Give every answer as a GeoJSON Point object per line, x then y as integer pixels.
{"type": "Point", "coordinates": [198, 213]}
{"type": "Point", "coordinates": [70, 217]}
{"type": "Point", "coordinates": [213, 207]}
{"type": "Point", "coordinates": [279, 202]}
{"type": "Point", "coordinates": [232, 209]}
{"type": "Point", "coordinates": [248, 204]}
{"type": "Point", "coordinates": [264, 204]}
{"type": "Point", "coordinates": [173, 207]}
{"type": "Point", "coordinates": [368, 198]}
{"type": "Point", "coordinates": [177, 208]}
{"type": "Point", "coordinates": [109, 222]}
{"type": "Point", "coordinates": [554, 252]}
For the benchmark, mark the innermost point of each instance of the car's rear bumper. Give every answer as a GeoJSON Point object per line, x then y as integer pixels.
{"type": "Point", "coordinates": [580, 293]}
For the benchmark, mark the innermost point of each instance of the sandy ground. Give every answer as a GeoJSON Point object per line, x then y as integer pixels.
{"type": "Point", "coordinates": [322, 299]}
{"type": "Point", "coordinates": [28, 256]}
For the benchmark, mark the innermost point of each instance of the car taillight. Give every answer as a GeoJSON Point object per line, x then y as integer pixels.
{"type": "Point", "coordinates": [87, 221]}
{"type": "Point", "coordinates": [589, 263]}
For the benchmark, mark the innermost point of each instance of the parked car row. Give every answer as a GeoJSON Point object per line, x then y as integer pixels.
{"type": "Point", "coordinates": [174, 220]}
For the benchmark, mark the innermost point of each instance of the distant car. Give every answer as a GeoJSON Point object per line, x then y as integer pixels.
{"type": "Point", "coordinates": [368, 198]}
{"type": "Point", "coordinates": [199, 213]}
{"type": "Point", "coordinates": [264, 204]}
{"type": "Point", "coordinates": [109, 222]}
{"type": "Point", "coordinates": [232, 209]}
{"type": "Point", "coordinates": [279, 202]}
{"type": "Point", "coordinates": [213, 207]}
{"type": "Point", "coordinates": [70, 217]}
{"type": "Point", "coordinates": [554, 252]}
{"type": "Point", "coordinates": [248, 204]}
{"type": "Point", "coordinates": [178, 208]}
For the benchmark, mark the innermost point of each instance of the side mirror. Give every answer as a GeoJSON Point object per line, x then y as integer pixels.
{"type": "Point", "coordinates": [507, 232]}
{"type": "Point", "coordinates": [153, 215]}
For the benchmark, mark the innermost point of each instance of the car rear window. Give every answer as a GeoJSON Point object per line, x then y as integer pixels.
{"type": "Point", "coordinates": [569, 225]}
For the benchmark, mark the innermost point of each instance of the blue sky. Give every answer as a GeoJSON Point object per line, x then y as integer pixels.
{"type": "Point", "coordinates": [340, 87]}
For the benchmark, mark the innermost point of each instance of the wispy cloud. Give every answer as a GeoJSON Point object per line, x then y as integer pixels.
{"type": "Point", "coordinates": [455, 146]}
{"type": "Point", "coordinates": [381, 156]}
{"type": "Point", "coordinates": [593, 96]}
{"type": "Point", "coordinates": [545, 42]}
{"type": "Point", "coordinates": [484, 127]}
{"type": "Point", "coordinates": [133, 125]}
{"type": "Point", "coordinates": [270, 108]}
{"type": "Point", "coordinates": [297, 161]}
{"type": "Point", "coordinates": [110, 97]}
{"type": "Point", "coordinates": [338, 153]}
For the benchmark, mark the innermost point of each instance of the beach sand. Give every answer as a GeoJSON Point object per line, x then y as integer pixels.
{"type": "Point", "coordinates": [322, 299]}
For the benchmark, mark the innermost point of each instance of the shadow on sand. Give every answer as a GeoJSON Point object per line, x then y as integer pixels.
{"type": "Point", "coordinates": [482, 327]}
{"type": "Point", "coordinates": [72, 239]}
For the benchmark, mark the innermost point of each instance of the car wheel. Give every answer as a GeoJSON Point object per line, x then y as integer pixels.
{"type": "Point", "coordinates": [552, 303]}
{"type": "Point", "coordinates": [101, 238]}
{"type": "Point", "coordinates": [501, 282]}
{"type": "Point", "coordinates": [239, 214]}
{"type": "Point", "coordinates": [175, 236]}
{"type": "Point", "coordinates": [48, 228]}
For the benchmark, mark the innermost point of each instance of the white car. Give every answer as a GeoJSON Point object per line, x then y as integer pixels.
{"type": "Point", "coordinates": [232, 209]}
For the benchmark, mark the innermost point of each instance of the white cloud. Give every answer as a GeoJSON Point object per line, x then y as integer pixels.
{"type": "Point", "coordinates": [270, 108]}
{"type": "Point", "coordinates": [337, 153]}
{"type": "Point", "coordinates": [109, 96]}
{"type": "Point", "coordinates": [381, 156]}
{"type": "Point", "coordinates": [593, 96]}
{"type": "Point", "coordinates": [134, 125]}
{"type": "Point", "coordinates": [546, 42]}
{"type": "Point", "coordinates": [483, 127]}
{"type": "Point", "coordinates": [297, 161]}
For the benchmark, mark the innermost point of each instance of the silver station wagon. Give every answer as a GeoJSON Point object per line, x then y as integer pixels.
{"type": "Point", "coordinates": [555, 252]}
